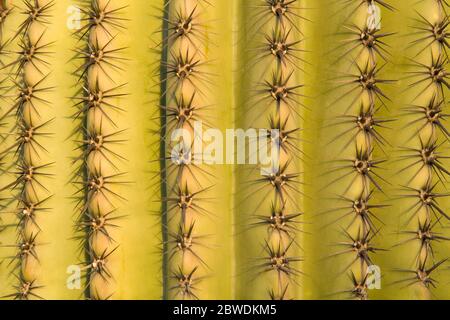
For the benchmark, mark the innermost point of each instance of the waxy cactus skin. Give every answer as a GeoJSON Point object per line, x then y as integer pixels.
{"type": "Point", "coordinates": [349, 98]}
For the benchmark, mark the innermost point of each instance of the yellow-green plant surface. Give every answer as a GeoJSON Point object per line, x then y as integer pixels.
{"type": "Point", "coordinates": [342, 103]}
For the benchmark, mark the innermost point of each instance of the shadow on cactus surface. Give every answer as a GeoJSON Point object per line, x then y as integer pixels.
{"type": "Point", "coordinates": [224, 149]}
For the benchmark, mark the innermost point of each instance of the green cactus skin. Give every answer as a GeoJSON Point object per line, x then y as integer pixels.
{"type": "Point", "coordinates": [269, 200]}
{"type": "Point", "coordinates": [93, 207]}
{"type": "Point", "coordinates": [422, 151]}
{"type": "Point", "coordinates": [191, 215]}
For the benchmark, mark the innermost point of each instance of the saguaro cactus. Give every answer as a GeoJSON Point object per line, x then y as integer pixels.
{"type": "Point", "coordinates": [424, 156]}
{"type": "Point", "coordinates": [361, 96]}
{"type": "Point", "coordinates": [212, 149]}
{"type": "Point", "coordinates": [30, 170]}
{"type": "Point", "coordinates": [270, 200]}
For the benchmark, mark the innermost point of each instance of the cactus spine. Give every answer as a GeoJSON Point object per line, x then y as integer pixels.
{"type": "Point", "coordinates": [87, 128]}
{"type": "Point", "coordinates": [99, 105]}
{"type": "Point", "coordinates": [271, 224]}
{"type": "Point", "coordinates": [367, 46]}
{"type": "Point", "coordinates": [423, 158]}
{"type": "Point", "coordinates": [28, 190]}
{"type": "Point", "coordinates": [188, 86]}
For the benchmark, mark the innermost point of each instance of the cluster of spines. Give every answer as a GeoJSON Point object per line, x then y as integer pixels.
{"type": "Point", "coordinates": [28, 74]}
{"type": "Point", "coordinates": [365, 43]}
{"type": "Point", "coordinates": [184, 91]}
{"type": "Point", "coordinates": [98, 174]}
{"type": "Point", "coordinates": [4, 14]}
{"type": "Point", "coordinates": [426, 159]}
{"type": "Point", "coordinates": [279, 58]}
